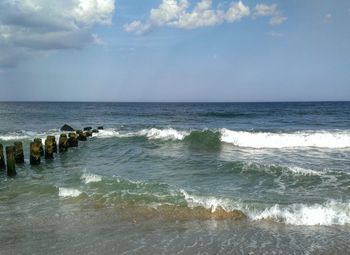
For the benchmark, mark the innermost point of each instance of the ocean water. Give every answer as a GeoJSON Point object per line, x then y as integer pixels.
{"type": "Point", "coordinates": [180, 178]}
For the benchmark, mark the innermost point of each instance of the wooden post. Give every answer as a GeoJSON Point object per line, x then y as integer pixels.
{"type": "Point", "coordinates": [49, 147]}
{"type": "Point", "coordinates": [54, 144]}
{"type": "Point", "coordinates": [72, 140]}
{"type": "Point", "coordinates": [2, 157]}
{"type": "Point", "coordinates": [88, 133]}
{"type": "Point", "coordinates": [39, 141]}
{"type": "Point", "coordinates": [63, 143]}
{"type": "Point", "coordinates": [11, 162]}
{"type": "Point", "coordinates": [81, 136]}
{"type": "Point", "coordinates": [19, 155]}
{"type": "Point", "coordinates": [35, 153]}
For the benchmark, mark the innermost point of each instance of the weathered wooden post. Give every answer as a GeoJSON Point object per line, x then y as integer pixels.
{"type": "Point", "coordinates": [72, 140]}
{"type": "Point", "coordinates": [81, 135]}
{"type": "Point", "coordinates": [35, 153]}
{"type": "Point", "coordinates": [19, 155]}
{"type": "Point", "coordinates": [54, 144]}
{"type": "Point", "coordinates": [2, 157]}
{"type": "Point", "coordinates": [63, 143]}
{"type": "Point", "coordinates": [39, 141]}
{"type": "Point", "coordinates": [11, 162]}
{"type": "Point", "coordinates": [49, 147]}
{"type": "Point", "coordinates": [88, 133]}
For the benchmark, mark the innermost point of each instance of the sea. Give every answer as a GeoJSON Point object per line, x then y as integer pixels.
{"type": "Point", "coordinates": [180, 178]}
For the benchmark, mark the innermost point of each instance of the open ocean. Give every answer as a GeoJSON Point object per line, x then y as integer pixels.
{"type": "Point", "coordinates": [180, 178]}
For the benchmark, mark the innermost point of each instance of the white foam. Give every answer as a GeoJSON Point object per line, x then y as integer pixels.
{"type": "Point", "coordinates": [327, 214]}
{"type": "Point", "coordinates": [303, 171]}
{"type": "Point", "coordinates": [107, 133]}
{"type": "Point", "coordinates": [22, 135]}
{"type": "Point", "coordinates": [67, 192]}
{"type": "Point", "coordinates": [330, 213]}
{"type": "Point", "coordinates": [211, 203]}
{"type": "Point", "coordinates": [90, 178]}
{"type": "Point", "coordinates": [320, 139]}
{"type": "Point", "coordinates": [18, 135]}
{"type": "Point", "coordinates": [163, 134]}
{"type": "Point", "coordinates": [12, 137]}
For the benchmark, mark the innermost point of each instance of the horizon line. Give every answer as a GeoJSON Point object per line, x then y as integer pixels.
{"type": "Point", "coordinates": [176, 102]}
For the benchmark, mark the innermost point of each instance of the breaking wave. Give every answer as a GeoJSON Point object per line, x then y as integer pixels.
{"type": "Point", "coordinates": [329, 213]}
{"type": "Point", "coordinates": [163, 134]}
{"type": "Point", "coordinates": [208, 138]}
{"type": "Point", "coordinates": [161, 200]}
{"type": "Point", "coordinates": [320, 139]}
{"type": "Point", "coordinates": [68, 192]}
{"type": "Point", "coordinates": [90, 178]}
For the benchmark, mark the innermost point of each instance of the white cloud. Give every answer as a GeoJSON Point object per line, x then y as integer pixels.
{"type": "Point", "coordinates": [168, 11]}
{"type": "Point", "coordinates": [94, 11]}
{"type": "Point", "coordinates": [202, 16]}
{"type": "Point", "coordinates": [30, 27]}
{"type": "Point", "coordinates": [176, 13]}
{"type": "Point", "coordinates": [264, 10]}
{"type": "Point", "coordinates": [137, 27]}
{"type": "Point", "coordinates": [237, 11]}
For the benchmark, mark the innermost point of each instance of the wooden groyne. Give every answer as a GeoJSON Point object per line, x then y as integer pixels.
{"type": "Point", "coordinates": [14, 153]}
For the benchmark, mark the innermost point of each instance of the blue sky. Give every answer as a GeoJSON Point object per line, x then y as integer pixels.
{"type": "Point", "coordinates": [174, 50]}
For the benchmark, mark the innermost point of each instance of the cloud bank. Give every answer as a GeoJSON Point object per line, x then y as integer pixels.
{"type": "Point", "coordinates": [177, 13]}
{"type": "Point", "coordinates": [33, 27]}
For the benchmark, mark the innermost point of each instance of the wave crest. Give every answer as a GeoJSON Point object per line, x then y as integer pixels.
{"type": "Point", "coordinates": [90, 178]}
{"type": "Point", "coordinates": [320, 139]}
{"type": "Point", "coordinates": [163, 134]}
{"type": "Point", "coordinates": [68, 192]}
{"type": "Point", "coordinates": [330, 213]}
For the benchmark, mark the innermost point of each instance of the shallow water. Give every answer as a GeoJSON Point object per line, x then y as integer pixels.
{"type": "Point", "coordinates": [268, 178]}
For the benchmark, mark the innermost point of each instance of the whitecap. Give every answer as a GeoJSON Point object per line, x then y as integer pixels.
{"type": "Point", "coordinates": [329, 213]}
{"type": "Point", "coordinates": [163, 134]}
{"type": "Point", "coordinates": [90, 178]}
{"type": "Point", "coordinates": [68, 192]}
{"type": "Point", "coordinates": [303, 171]}
{"type": "Point", "coordinates": [209, 202]}
{"type": "Point", "coordinates": [320, 139]}
{"type": "Point", "coordinates": [107, 133]}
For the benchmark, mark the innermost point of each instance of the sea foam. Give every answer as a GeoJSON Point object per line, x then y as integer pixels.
{"type": "Point", "coordinates": [329, 213]}
{"type": "Point", "coordinates": [68, 192]}
{"type": "Point", "coordinates": [163, 134]}
{"type": "Point", "coordinates": [90, 178]}
{"type": "Point", "coordinates": [107, 133]}
{"type": "Point", "coordinates": [303, 171]}
{"type": "Point", "coordinates": [321, 139]}
{"type": "Point", "coordinates": [211, 203]}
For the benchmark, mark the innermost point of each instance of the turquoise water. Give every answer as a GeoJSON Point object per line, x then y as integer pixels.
{"type": "Point", "coordinates": [250, 178]}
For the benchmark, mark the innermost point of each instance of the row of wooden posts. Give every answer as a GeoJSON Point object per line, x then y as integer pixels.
{"type": "Point", "coordinates": [14, 153]}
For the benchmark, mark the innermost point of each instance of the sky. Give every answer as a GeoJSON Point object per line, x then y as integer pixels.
{"type": "Point", "coordinates": [174, 50]}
